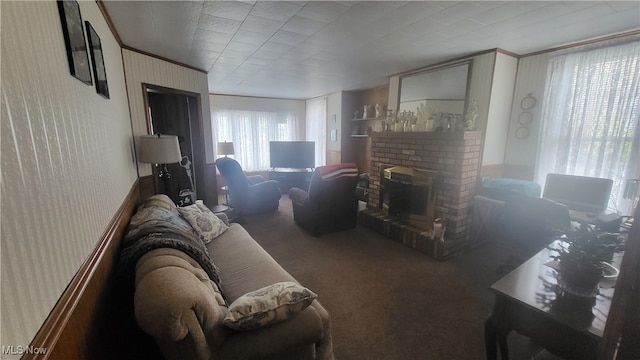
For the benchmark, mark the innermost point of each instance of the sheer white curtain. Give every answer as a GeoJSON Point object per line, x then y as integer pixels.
{"type": "Point", "coordinates": [591, 115]}
{"type": "Point", "coordinates": [316, 127]}
{"type": "Point", "coordinates": [250, 131]}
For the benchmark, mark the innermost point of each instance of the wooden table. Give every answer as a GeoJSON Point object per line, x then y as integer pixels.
{"type": "Point", "coordinates": [529, 301]}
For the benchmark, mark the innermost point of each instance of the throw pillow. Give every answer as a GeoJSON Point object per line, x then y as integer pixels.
{"type": "Point", "coordinates": [269, 305]}
{"type": "Point", "coordinates": [206, 223]}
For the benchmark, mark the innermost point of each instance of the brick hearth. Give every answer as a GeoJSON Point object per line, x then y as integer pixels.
{"type": "Point", "coordinates": [456, 157]}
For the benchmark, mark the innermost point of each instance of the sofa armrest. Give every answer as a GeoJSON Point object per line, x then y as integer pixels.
{"type": "Point", "coordinates": [178, 305]}
{"type": "Point", "coordinates": [298, 196]}
{"type": "Point", "coordinates": [306, 328]}
{"type": "Point", "coordinates": [255, 179]}
{"type": "Point", "coordinates": [223, 217]}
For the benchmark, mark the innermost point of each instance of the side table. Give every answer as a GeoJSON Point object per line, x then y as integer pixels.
{"type": "Point", "coordinates": [219, 208]}
{"type": "Point", "coordinates": [528, 302]}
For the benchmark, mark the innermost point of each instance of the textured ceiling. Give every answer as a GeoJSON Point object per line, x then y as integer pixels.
{"type": "Point", "coordinates": [303, 49]}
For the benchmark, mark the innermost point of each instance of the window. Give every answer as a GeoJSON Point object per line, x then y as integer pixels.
{"type": "Point", "coordinates": [250, 131]}
{"type": "Point", "coordinates": [591, 116]}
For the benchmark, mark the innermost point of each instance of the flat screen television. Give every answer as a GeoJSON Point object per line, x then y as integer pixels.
{"type": "Point", "coordinates": [581, 193]}
{"type": "Point", "coordinates": [292, 154]}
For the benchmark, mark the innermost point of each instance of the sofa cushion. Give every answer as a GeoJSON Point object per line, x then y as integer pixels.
{"type": "Point", "coordinates": [256, 268]}
{"type": "Point", "coordinates": [204, 222]}
{"type": "Point", "coordinates": [269, 305]}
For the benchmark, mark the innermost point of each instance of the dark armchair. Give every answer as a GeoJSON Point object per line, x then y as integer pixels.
{"type": "Point", "coordinates": [330, 204]}
{"type": "Point", "coordinates": [530, 224]}
{"type": "Point", "coordinates": [248, 194]}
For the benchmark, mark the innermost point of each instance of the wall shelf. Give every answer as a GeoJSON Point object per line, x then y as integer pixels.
{"type": "Point", "coordinates": [369, 119]}
{"type": "Point", "coordinates": [359, 135]}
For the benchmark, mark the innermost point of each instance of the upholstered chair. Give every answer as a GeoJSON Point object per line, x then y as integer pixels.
{"type": "Point", "coordinates": [248, 194]}
{"type": "Point", "coordinates": [530, 224]}
{"type": "Point", "coordinates": [330, 204]}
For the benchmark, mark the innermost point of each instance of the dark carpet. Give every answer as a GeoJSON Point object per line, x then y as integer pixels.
{"type": "Point", "coordinates": [388, 301]}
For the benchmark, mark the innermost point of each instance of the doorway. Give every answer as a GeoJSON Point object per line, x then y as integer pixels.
{"type": "Point", "coordinates": [175, 112]}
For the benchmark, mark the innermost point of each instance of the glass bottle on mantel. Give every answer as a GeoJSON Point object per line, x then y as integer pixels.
{"type": "Point", "coordinates": [388, 122]}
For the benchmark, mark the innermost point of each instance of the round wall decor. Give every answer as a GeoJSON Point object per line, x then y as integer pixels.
{"type": "Point", "coordinates": [525, 118]}
{"type": "Point", "coordinates": [522, 132]}
{"type": "Point", "coordinates": [528, 102]}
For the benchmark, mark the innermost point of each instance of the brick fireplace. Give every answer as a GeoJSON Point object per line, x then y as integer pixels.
{"type": "Point", "coordinates": [455, 156]}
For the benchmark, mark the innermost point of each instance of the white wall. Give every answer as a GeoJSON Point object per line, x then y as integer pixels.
{"type": "Point", "coordinates": [499, 109]}
{"type": "Point", "coordinates": [334, 107]}
{"type": "Point", "coordinates": [141, 69]}
{"type": "Point", "coordinates": [67, 161]}
{"type": "Point", "coordinates": [531, 78]}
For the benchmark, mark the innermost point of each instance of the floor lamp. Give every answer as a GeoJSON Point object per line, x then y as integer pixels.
{"type": "Point", "coordinates": [159, 150]}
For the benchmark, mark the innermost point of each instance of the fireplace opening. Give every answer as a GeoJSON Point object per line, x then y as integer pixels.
{"type": "Point", "coordinates": [409, 194]}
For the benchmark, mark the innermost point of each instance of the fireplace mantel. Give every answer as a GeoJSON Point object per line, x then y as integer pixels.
{"type": "Point", "coordinates": [456, 158]}
{"type": "Point", "coordinates": [451, 135]}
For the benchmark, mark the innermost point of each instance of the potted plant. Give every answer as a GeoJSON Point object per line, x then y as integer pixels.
{"type": "Point", "coordinates": [583, 256]}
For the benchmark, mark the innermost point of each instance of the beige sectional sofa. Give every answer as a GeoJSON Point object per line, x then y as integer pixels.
{"type": "Point", "coordinates": [183, 309]}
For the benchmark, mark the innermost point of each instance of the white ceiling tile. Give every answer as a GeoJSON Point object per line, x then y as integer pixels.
{"type": "Point", "coordinates": [266, 54]}
{"type": "Point", "coordinates": [301, 25]}
{"type": "Point", "coordinates": [256, 61]}
{"type": "Point", "coordinates": [277, 10]}
{"type": "Point", "coordinates": [242, 46]}
{"type": "Point", "coordinates": [248, 69]}
{"type": "Point", "coordinates": [212, 36]}
{"type": "Point", "coordinates": [372, 11]}
{"type": "Point", "coordinates": [239, 55]}
{"type": "Point", "coordinates": [205, 53]}
{"type": "Point", "coordinates": [272, 46]}
{"type": "Point", "coordinates": [506, 11]}
{"type": "Point", "coordinates": [234, 10]}
{"type": "Point", "coordinates": [251, 37]}
{"type": "Point", "coordinates": [410, 13]}
{"type": "Point", "coordinates": [208, 46]}
{"type": "Point", "coordinates": [287, 37]}
{"type": "Point", "coordinates": [261, 25]}
{"type": "Point", "coordinates": [218, 24]}
{"type": "Point", "coordinates": [457, 12]}
{"type": "Point", "coordinates": [461, 27]}
{"type": "Point", "coordinates": [323, 11]}
{"type": "Point", "coordinates": [624, 6]}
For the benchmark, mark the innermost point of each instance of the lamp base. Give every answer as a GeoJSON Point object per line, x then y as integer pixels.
{"type": "Point", "coordinates": [163, 172]}
{"type": "Point", "coordinates": [186, 197]}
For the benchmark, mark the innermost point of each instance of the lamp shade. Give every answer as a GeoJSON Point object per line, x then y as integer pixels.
{"type": "Point", "coordinates": [225, 148]}
{"type": "Point", "coordinates": [159, 149]}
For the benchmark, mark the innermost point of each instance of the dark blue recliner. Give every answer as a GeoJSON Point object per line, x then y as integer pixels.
{"type": "Point", "coordinates": [248, 194]}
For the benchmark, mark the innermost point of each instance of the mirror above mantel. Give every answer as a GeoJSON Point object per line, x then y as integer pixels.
{"type": "Point", "coordinates": [435, 99]}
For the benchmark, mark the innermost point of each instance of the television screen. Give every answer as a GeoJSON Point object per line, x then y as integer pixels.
{"type": "Point", "coordinates": [581, 193]}
{"type": "Point", "coordinates": [292, 154]}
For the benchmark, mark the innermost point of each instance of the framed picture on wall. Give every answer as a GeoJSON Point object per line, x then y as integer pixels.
{"type": "Point", "coordinates": [73, 32]}
{"type": "Point", "coordinates": [97, 60]}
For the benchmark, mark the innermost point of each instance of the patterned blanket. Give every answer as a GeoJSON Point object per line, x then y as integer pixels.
{"type": "Point", "coordinates": [156, 227]}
